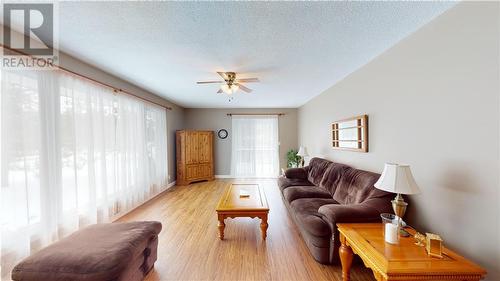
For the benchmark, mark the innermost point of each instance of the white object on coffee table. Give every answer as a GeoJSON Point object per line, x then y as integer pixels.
{"type": "Point", "coordinates": [244, 193]}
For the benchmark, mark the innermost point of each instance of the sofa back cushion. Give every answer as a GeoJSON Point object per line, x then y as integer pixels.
{"type": "Point", "coordinates": [356, 186]}
{"type": "Point", "coordinates": [316, 169]}
{"type": "Point", "coordinates": [332, 176]}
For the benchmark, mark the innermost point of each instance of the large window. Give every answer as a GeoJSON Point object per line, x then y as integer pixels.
{"type": "Point", "coordinates": [255, 150]}
{"type": "Point", "coordinates": [72, 153]}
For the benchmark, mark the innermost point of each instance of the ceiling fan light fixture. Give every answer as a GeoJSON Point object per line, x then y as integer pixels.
{"type": "Point", "coordinates": [229, 89]}
{"type": "Point", "coordinates": [225, 88]}
{"type": "Point", "coordinates": [231, 84]}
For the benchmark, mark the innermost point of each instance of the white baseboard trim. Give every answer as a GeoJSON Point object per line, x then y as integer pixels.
{"type": "Point", "coordinates": [224, 177]}
{"type": "Point", "coordinates": [118, 216]}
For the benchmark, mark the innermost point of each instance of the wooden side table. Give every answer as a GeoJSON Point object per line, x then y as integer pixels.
{"type": "Point", "coordinates": [405, 261]}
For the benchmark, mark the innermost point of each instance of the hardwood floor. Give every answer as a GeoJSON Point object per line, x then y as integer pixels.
{"type": "Point", "coordinates": [189, 248]}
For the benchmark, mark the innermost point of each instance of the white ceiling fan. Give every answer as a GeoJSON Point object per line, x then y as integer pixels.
{"type": "Point", "coordinates": [231, 83]}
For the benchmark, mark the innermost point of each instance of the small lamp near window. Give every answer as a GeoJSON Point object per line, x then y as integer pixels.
{"type": "Point", "coordinates": [302, 153]}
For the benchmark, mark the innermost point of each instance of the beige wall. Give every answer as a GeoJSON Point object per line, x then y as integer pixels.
{"type": "Point", "coordinates": [175, 117]}
{"type": "Point", "coordinates": [216, 119]}
{"type": "Point", "coordinates": [433, 102]}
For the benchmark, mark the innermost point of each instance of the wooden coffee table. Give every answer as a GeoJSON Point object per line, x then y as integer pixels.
{"type": "Point", "coordinates": [231, 205]}
{"type": "Point", "coordinates": [405, 261]}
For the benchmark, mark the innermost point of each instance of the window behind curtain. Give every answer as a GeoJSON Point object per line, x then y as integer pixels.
{"type": "Point", "coordinates": [72, 153]}
{"type": "Point", "coordinates": [255, 146]}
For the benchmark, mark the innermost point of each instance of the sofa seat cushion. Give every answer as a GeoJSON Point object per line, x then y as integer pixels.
{"type": "Point", "coordinates": [284, 182]}
{"type": "Point", "coordinates": [306, 214]}
{"type": "Point", "coordinates": [98, 252]}
{"type": "Point", "coordinates": [296, 192]}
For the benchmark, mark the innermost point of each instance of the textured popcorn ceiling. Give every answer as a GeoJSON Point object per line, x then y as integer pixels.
{"type": "Point", "coordinates": [297, 49]}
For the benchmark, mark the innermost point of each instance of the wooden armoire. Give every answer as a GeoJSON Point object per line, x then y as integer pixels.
{"type": "Point", "coordinates": [195, 161]}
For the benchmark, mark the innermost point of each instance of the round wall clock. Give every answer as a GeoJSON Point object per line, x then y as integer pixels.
{"type": "Point", "coordinates": [222, 133]}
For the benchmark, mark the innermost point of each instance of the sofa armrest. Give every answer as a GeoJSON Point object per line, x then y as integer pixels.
{"type": "Point", "coordinates": [296, 173]}
{"type": "Point", "coordinates": [336, 213]}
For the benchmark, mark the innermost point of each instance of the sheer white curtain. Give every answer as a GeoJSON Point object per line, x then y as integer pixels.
{"type": "Point", "coordinates": [255, 146]}
{"type": "Point", "coordinates": [72, 154]}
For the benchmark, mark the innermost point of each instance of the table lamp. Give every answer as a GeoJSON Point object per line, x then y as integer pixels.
{"type": "Point", "coordinates": [397, 178]}
{"type": "Point", "coordinates": [302, 153]}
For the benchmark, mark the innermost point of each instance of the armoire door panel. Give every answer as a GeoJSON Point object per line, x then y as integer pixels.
{"type": "Point", "coordinates": [192, 171]}
{"type": "Point", "coordinates": [205, 170]}
{"type": "Point", "coordinates": [205, 147]}
{"type": "Point", "coordinates": [192, 148]}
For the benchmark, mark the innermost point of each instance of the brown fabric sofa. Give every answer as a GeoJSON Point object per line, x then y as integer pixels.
{"type": "Point", "coordinates": [325, 193]}
{"type": "Point", "coordinates": [101, 252]}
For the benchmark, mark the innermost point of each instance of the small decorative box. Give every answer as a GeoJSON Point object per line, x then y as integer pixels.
{"type": "Point", "coordinates": [244, 193]}
{"type": "Point", "coordinates": [434, 245]}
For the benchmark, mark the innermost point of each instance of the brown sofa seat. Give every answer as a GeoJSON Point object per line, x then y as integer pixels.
{"type": "Point", "coordinates": [284, 182]}
{"type": "Point", "coordinates": [306, 210]}
{"type": "Point", "coordinates": [335, 193]}
{"type": "Point", "coordinates": [314, 229]}
{"type": "Point", "coordinates": [296, 192]}
{"type": "Point", "coordinates": [116, 251]}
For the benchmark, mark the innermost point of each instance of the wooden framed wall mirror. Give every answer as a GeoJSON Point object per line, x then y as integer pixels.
{"type": "Point", "coordinates": [351, 134]}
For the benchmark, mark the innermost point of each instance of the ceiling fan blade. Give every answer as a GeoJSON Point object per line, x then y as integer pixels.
{"type": "Point", "coordinates": [210, 82]}
{"type": "Point", "coordinates": [247, 80]}
{"type": "Point", "coordinates": [223, 75]}
{"type": "Point", "coordinates": [219, 91]}
{"type": "Point", "coordinates": [243, 88]}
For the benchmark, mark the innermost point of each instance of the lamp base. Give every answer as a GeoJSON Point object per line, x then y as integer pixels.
{"type": "Point", "coordinates": [399, 206]}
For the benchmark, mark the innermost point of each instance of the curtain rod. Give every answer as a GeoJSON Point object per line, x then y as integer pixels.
{"type": "Point", "coordinates": [88, 78]}
{"type": "Point", "coordinates": [279, 114]}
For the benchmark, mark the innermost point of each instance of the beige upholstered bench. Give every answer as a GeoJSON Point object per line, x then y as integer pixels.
{"type": "Point", "coordinates": [115, 251]}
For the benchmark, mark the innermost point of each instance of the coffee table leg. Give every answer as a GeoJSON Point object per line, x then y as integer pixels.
{"type": "Point", "coordinates": [263, 226]}
{"type": "Point", "coordinates": [221, 226]}
{"type": "Point", "coordinates": [346, 254]}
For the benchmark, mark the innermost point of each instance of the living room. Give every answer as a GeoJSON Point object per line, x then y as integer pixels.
{"type": "Point", "coordinates": [250, 140]}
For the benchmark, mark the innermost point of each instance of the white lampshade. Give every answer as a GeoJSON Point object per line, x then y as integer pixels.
{"type": "Point", "coordinates": [303, 151]}
{"type": "Point", "coordinates": [397, 178]}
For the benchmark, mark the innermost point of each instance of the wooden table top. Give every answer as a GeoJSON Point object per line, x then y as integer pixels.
{"type": "Point", "coordinates": [367, 241]}
{"type": "Point", "coordinates": [231, 201]}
